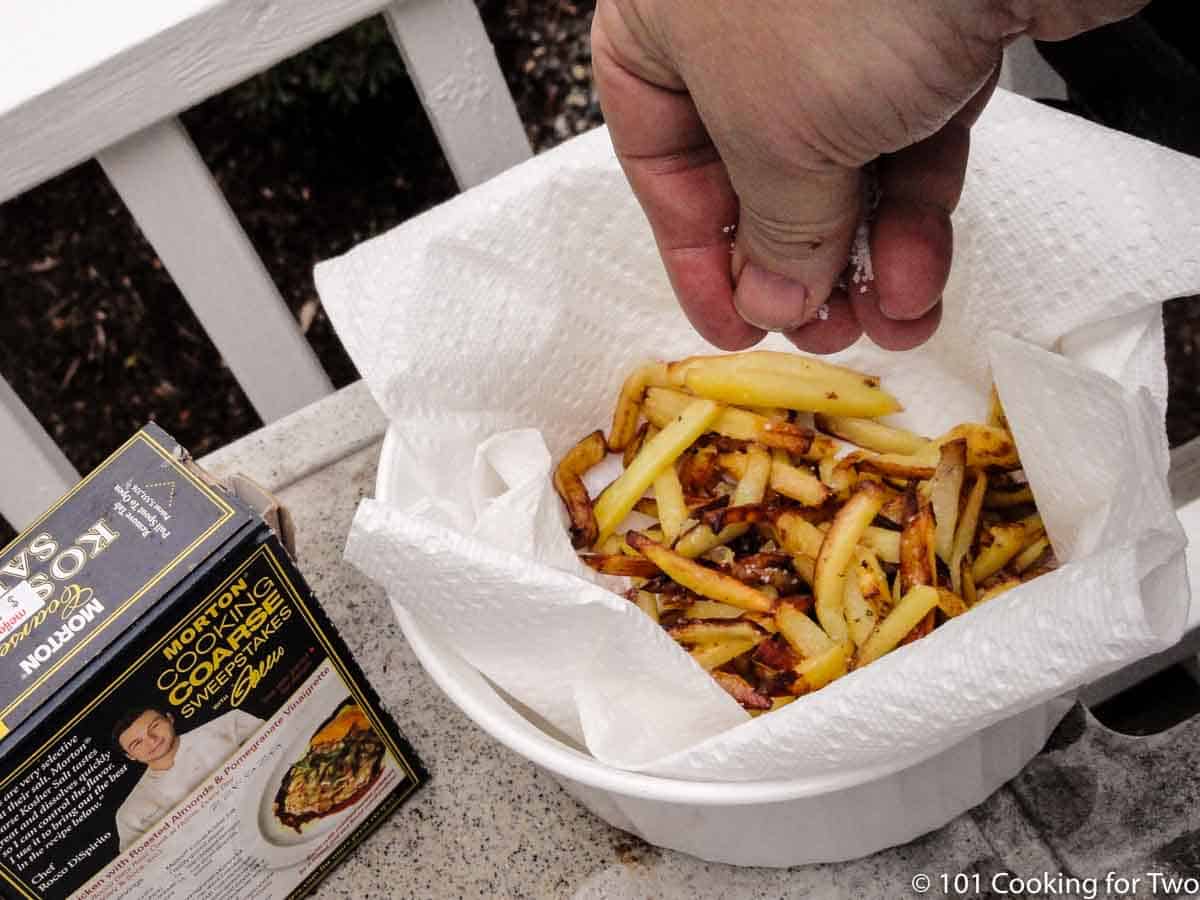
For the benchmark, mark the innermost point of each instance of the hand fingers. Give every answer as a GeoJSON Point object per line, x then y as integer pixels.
{"type": "Point", "coordinates": [794, 233]}
{"type": "Point", "coordinates": [836, 331]}
{"type": "Point", "coordinates": [683, 188]}
{"type": "Point", "coordinates": [892, 334]}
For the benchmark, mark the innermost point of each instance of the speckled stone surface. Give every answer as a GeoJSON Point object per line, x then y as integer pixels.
{"type": "Point", "coordinates": [490, 824]}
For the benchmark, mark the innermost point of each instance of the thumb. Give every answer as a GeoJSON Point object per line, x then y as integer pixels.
{"type": "Point", "coordinates": [793, 239]}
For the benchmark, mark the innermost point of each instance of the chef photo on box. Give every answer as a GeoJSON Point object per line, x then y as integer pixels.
{"type": "Point", "coordinates": [175, 763]}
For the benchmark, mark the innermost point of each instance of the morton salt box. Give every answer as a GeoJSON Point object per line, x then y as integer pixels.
{"type": "Point", "coordinates": [178, 719]}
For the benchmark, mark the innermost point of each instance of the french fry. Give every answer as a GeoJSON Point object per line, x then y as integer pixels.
{"type": "Point", "coordinates": [1031, 554]}
{"type": "Point", "coordinates": [883, 541]}
{"type": "Point", "coordinates": [918, 564]}
{"type": "Point", "coordinates": [708, 377]}
{"type": "Point", "coordinates": [945, 489]}
{"type": "Point", "coordinates": [837, 550]}
{"type": "Point", "coordinates": [813, 674]}
{"type": "Point", "coordinates": [751, 489]}
{"type": "Point", "coordinates": [708, 631]}
{"type": "Point", "coordinates": [699, 579]}
{"type": "Point", "coordinates": [950, 603]}
{"type": "Point", "coordinates": [620, 564]}
{"type": "Point", "coordinates": [798, 484]}
{"type": "Point", "coordinates": [904, 617]}
{"type": "Point", "coordinates": [804, 368]}
{"type": "Point", "coordinates": [711, 609]}
{"type": "Point", "coordinates": [915, 465]}
{"type": "Point", "coordinates": [871, 434]}
{"type": "Point", "coordinates": [1007, 540]}
{"type": "Point", "coordinates": [660, 451]}
{"type": "Point", "coordinates": [964, 531]}
{"type": "Point", "coordinates": [970, 594]}
{"type": "Point", "coordinates": [742, 691]}
{"type": "Point", "coordinates": [797, 535]}
{"type": "Point", "coordinates": [647, 603]}
{"type": "Point", "coordinates": [837, 475]}
{"type": "Point", "coordinates": [1003, 499]}
{"type": "Point", "coordinates": [668, 497]}
{"type": "Point", "coordinates": [987, 447]}
{"type": "Point", "coordinates": [698, 471]}
{"type": "Point", "coordinates": [709, 656]}
{"type": "Point", "coordinates": [634, 447]}
{"type": "Point", "coordinates": [872, 580]}
{"type": "Point", "coordinates": [861, 616]}
{"type": "Point", "coordinates": [568, 482]}
{"type": "Point", "coordinates": [997, 586]}
{"type": "Point", "coordinates": [803, 634]}
{"type": "Point", "coordinates": [629, 403]}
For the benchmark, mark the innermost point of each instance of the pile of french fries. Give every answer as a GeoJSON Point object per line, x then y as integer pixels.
{"type": "Point", "coordinates": [777, 555]}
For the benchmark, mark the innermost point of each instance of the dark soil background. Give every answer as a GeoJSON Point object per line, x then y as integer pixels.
{"type": "Point", "coordinates": [97, 340]}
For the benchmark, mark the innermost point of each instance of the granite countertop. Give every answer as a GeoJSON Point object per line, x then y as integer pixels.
{"type": "Point", "coordinates": [489, 824]}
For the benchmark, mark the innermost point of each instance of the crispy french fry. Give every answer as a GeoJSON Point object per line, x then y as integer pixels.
{"type": "Point", "coordinates": [786, 479]}
{"type": "Point", "coordinates": [904, 617]}
{"type": "Point", "coordinates": [698, 471]}
{"type": "Point", "coordinates": [987, 447]}
{"type": "Point", "coordinates": [629, 403]}
{"type": "Point", "coordinates": [1007, 540]}
{"type": "Point", "coordinates": [950, 603]}
{"type": "Point", "coordinates": [915, 465]}
{"type": "Point", "coordinates": [654, 532]}
{"type": "Point", "coordinates": [797, 535]}
{"type": "Point", "coordinates": [708, 631]}
{"type": "Point", "coordinates": [620, 564]}
{"type": "Point", "coordinates": [945, 489]}
{"type": "Point", "coordinates": [634, 447]}
{"type": "Point", "coordinates": [1031, 554]}
{"type": "Point", "coordinates": [970, 594]}
{"type": "Point", "coordinates": [709, 656]}
{"type": "Point", "coordinates": [751, 489]}
{"type": "Point", "coordinates": [662, 450]}
{"type": "Point", "coordinates": [1003, 499]}
{"type": "Point", "coordinates": [802, 633]}
{"type": "Point", "coordinates": [568, 482]}
{"type": "Point", "coordinates": [837, 550]}
{"type": "Point", "coordinates": [872, 580]}
{"type": "Point", "coordinates": [871, 434]}
{"type": "Point", "coordinates": [805, 567]}
{"type": "Point", "coordinates": [695, 577]}
{"type": "Point", "coordinates": [965, 530]}
{"type": "Point", "coordinates": [672, 510]}
{"type": "Point", "coordinates": [648, 604]}
{"type": "Point", "coordinates": [837, 475]}
{"type": "Point", "coordinates": [997, 586]}
{"type": "Point", "coordinates": [742, 691]}
{"type": "Point", "coordinates": [918, 564]}
{"type": "Point", "coordinates": [861, 616]}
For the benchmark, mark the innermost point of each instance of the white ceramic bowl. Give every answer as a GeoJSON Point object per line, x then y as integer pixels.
{"type": "Point", "coordinates": [753, 823]}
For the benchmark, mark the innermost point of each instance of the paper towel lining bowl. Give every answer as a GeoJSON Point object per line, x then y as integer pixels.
{"type": "Point", "coordinates": [829, 818]}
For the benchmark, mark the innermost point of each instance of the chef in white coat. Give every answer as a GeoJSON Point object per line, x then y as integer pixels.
{"type": "Point", "coordinates": [175, 763]}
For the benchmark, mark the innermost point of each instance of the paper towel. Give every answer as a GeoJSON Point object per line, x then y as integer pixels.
{"type": "Point", "coordinates": [495, 330]}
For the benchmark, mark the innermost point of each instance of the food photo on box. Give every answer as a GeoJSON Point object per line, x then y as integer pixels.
{"type": "Point", "coordinates": [1051, 336]}
{"type": "Point", "coordinates": [180, 718]}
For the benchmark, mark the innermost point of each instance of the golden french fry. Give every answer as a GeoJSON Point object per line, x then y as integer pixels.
{"type": "Point", "coordinates": [861, 615]}
{"type": "Point", "coordinates": [871, 434]}
{"type": "Point", "coordinates": [945, 489]}
{"type": "Point", "coordinates": [1031, 554]}
{"type": "Point", "coordinates": [700, 579]}
{"type": "Point", "coordinates": [987, 447]}
{"type": "Point", "coordinates": [568, 482]}
{"type": "Point", "coordinates": [663, 404]}
{"type": "Point", "coordinates": [739, 381]}
{"type": "Point", "coordinates": [708, 631]}
{"type": "Point", "coordinates": [813, 674]}
{"type": "Point", "coordinates": [786, 479]}
{"type": "Point", "coordinates": [837, 475]}
{"type": "Point", "coordinates": [672, 510]}
{"type": "Point", "coordinates": [660, 451]}
{"type": "Point", "coordinates": [970, 594]}
{"type": "Point", "coordinates": [792, 365]}
{"type": "Point", "coordinates": [711, 609]}
{"type": "Point", "coordinates": [797, 535]}
{"type": "Point", "coordinates": [997, 586]}
{"type": "Point", "coordinates": [837, 550]}
{"type": "Point", "coordinates": [1007, 540]}
{"type": "Point", "coordinates": [634, 447]}
{"type": "Point", "coordinates": [872, 580]}
{"type": "Point", "coordinates": [629, 403]}
{"type": "Point", "coordinates": [654, 532]}
{"type": "Point", "coordinates": [648, 604]}
{"type": "Point", "coordinates": [709, 656]}
{"type": "Point", "coordinates": [904, 617]}
{"type": "Point", "coordinates": [883, 541]}
{"type": "Point", "coordinates": [964, 531]}
{"type": "Point", "coordinates": [802, 633]}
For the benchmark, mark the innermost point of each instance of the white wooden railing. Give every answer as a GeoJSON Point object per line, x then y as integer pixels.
{"type": "Point", "coordinates": [80, 79]}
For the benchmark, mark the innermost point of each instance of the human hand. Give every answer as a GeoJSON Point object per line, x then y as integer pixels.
{"type": "Point", "coordinates": [752, 122]}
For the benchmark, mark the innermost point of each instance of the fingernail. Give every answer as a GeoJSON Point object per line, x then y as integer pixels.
{"type": "Point", "coordinates": [769, 300]}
